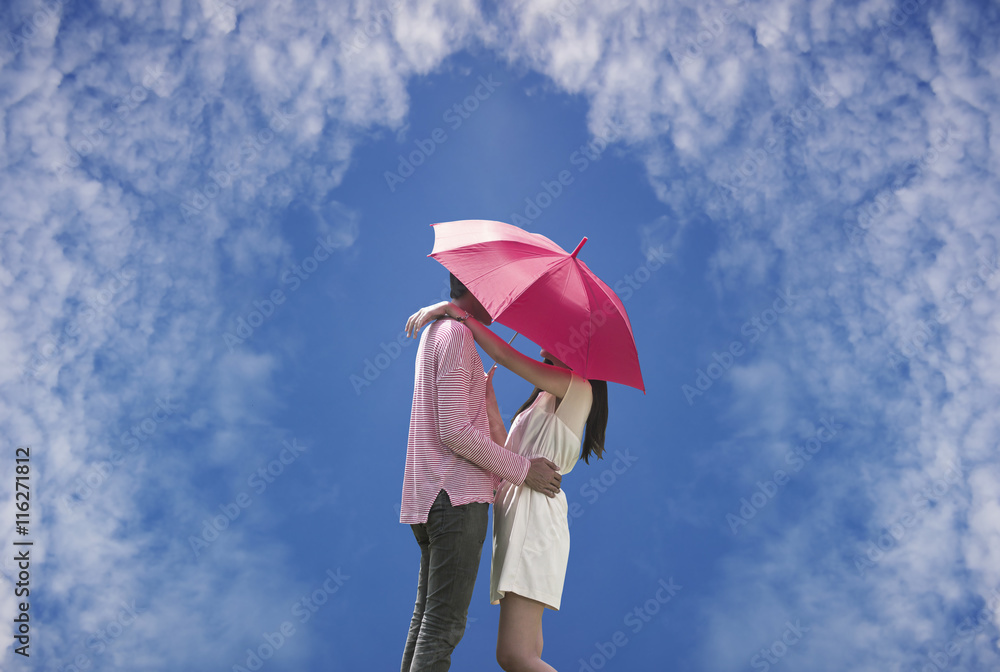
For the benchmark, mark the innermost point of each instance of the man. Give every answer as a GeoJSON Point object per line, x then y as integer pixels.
{"type": "Point", "coordinates": [453, 464]}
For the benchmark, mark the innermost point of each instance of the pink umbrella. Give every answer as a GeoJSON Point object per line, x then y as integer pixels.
{"type": "Point", "coordinates": [530, 284]}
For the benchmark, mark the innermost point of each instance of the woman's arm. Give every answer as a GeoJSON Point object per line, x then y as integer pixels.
{"type": "Point", "coordinates": [552, 379]}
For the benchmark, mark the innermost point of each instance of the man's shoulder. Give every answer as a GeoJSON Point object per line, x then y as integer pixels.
{"type": "Point", "coordinates": [450, 340]}
{"type": "Point", "coordinates": [447, 330]}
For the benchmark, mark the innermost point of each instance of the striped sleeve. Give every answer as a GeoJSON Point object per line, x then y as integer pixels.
{"type": "Point", "coordinates": [457, 412]}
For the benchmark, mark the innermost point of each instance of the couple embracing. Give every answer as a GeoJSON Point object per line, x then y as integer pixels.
{"type": "Point", "coordinates": [460, 457]}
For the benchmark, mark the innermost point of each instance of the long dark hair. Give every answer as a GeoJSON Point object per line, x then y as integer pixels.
{"type": "Point", "coordinates": [597, 421]}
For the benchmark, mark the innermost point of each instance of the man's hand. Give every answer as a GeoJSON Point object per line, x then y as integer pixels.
{"type": "Point", "coordinates": [492, 407]}
{"type": "Point", "coordinates": [543, 476]}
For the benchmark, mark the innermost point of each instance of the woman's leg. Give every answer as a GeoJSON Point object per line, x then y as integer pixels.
{"type": "Point", "coordinates": [519, 639]}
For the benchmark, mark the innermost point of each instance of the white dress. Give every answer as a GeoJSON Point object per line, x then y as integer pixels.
{"type": "Point", "coordinates": [530, 529]}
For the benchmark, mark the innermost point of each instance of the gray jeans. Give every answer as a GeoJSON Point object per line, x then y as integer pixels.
{"type": "Point", "coordinates": [451, 543]}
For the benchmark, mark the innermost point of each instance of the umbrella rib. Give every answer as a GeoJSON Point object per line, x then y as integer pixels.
{"type": "Point", "coordinates": [612, 295]}
{"type": "Point", "coordinates": [524, 251]}
{"type": "Point", "coordinates": [574, 272]}
{"type": "Point", "coordinates": [531, 284]}
{"type": "Point", "coordinates": [527, 266]}
{"type": "Point", "coordinates": [590, 310]}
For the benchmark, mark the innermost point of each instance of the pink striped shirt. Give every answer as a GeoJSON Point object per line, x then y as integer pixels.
{"type": "Point", "coordinates": [449, 445]}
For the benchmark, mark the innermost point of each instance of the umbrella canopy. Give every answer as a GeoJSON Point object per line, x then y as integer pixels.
{"type": "Point", "coordinates": [528, 283]}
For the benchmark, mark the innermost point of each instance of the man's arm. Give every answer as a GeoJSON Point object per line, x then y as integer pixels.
{"type": "Point", "coordinates": [459, 434]}
{"type": "Point", "coordinates": [456, 412]}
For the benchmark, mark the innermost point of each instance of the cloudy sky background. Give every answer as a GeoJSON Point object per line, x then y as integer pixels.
{"type": "Point", "coordinates": [816, 454]}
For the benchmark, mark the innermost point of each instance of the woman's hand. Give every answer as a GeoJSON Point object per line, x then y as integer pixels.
{"type": "Point", "coordinates": [498, 431]}
{"type": "Point", "coordinates": [429, 314]}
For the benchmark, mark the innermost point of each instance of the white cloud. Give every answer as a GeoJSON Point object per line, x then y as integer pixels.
{"type": "Point", "coordinates": [97, 164]}
{"type": "Point", "coordinates": [98, 157]}
{"type": "Point", "coordinates": [875, 115]}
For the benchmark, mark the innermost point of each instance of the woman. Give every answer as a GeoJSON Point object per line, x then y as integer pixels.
{"type": "Point", "coordinates": [531, 530]}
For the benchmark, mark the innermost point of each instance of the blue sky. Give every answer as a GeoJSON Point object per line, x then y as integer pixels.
{"type": "Point", "coordinates": [210, 248]}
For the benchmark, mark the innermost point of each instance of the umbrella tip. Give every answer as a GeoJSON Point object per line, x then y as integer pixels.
{"type": "Point", "coordinates": [573, 255]}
